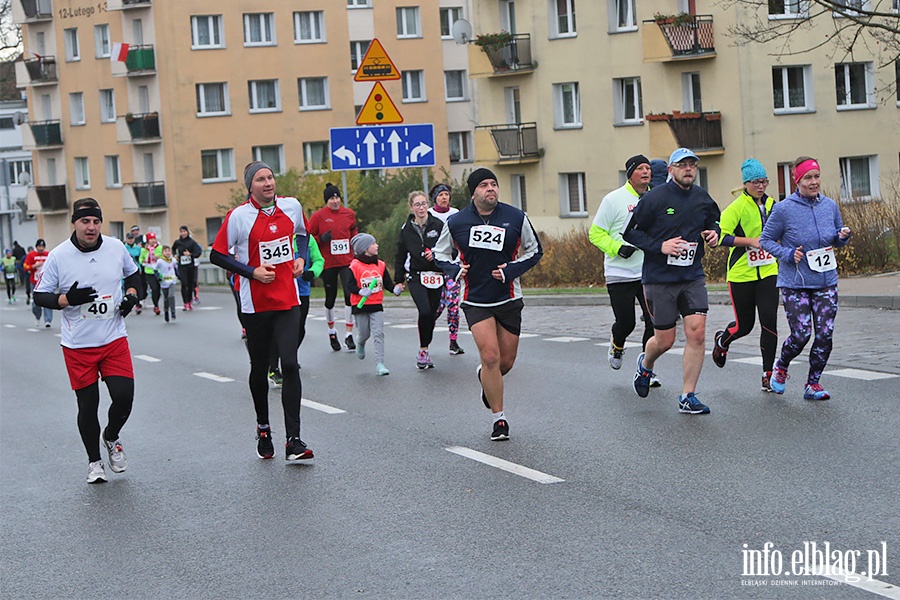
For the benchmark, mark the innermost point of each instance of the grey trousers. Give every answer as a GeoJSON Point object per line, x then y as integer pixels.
{"type": "Point", "coordinates": [371, 325]}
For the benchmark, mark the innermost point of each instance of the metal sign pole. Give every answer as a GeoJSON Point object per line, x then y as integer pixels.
{"type": "Point", "coordinates": [344, 188]}
{"type": "Point", "coordinates": [425, 179]}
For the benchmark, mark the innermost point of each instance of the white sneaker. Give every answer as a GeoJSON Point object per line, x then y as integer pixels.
{"type": "Point", "coordinates": [117, 462]}
{"type": "Point", "coordinates": [654, 381]}
{"type": "Point", "coordinates": [37, 323]}
{"type": "Point", "coordinates": [96, 473]}
{"type": "Point", "coordinates": [47, 325]}
{"type": "Point", "coordinates": [615, 356]}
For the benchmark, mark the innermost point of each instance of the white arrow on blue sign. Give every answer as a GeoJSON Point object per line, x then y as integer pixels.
{"type": "Point", "coordinates": [382, 147]}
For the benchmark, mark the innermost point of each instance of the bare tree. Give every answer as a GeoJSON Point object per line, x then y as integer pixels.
{"type": "Point", "coordinates": [10, 32]}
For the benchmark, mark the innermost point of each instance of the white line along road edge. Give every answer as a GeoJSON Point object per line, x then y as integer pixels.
{"type": "Point", "coordinates": [322, 407]}
{"type": "Point", "coordinates": [213, 377]}
{"type": "Point", "coordinates": [504, 465]}
{"type": "Point", "coordinates": [881, 588]}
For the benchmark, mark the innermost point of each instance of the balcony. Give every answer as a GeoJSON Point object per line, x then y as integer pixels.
{"type": "Point", "coordinates": [46, 134]}
{"type": "Point", "coordinates": [128, 4]}
{"type": "Point", "coordinates": [40, 71]}
{"type": "Point", "coordinates": [149, 196]}
{"type": "Point", "coordinates": [143, 128]}
{"type": "Point", "coordinates": [514, 143]}
{"type": "Point", "coordinates": [141, 60]}
{"type": "Point", "coordinates": [510, 58]}
{"type": "Point", "coordinates": [678, 38]}
{"type": "Point", "coordinates": [36, 11]}
{"type": "Point", "coordinates": [52, 198]}
{"type": "Point", "coordinates": [701, 132]}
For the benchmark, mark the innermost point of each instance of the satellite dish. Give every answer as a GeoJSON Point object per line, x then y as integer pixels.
{"type": "Point", "coordinates": [19, 117]}
{"type": "Point", "coordinates": [25, 178]}
{"type": "Point", "coordinates": [461, 31]}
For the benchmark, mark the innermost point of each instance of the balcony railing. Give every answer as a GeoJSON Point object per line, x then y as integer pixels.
{"type": "Point", "coordinates": [140, 58]}
{"type": "Point", "coordinates": [52, 197]}
{"type": "Point", "coordinates": [41, 69]}
{"type": "Point", "coordinates": [135, 3]}
{"type": "Point", "coordinates": [37, 10]}
{"type": "Point", "coordinates": [689, 35]}
{"type": "Point", "coordinates": [151, 194]}
{"type": "Point", "coordinates": [46, 133]}
{"type": "Point", "coordinates": [127, 4]}
{"type": "Point", "coordinates": [697, 131]}
{"type": "Point", "coordinates": [512, 57]}
{"type": "Point", "coordinates": [143, 126]}
{"type": "Point", "coordinates": [515, 141]}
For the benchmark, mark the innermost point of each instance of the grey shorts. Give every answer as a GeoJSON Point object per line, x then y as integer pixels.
{"type": "Point", "coordinates": [666, 301]}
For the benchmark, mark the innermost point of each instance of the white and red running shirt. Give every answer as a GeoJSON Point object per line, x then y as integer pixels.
{"type": "Point", "coordinates": [264, 235]}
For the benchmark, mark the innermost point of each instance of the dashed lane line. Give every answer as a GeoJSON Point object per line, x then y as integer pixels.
{"type": "Point", "coordinates": [213, 377]}
{"type": "Point", "coordinates": [863, 582]}
{"type": "Point", "coordinates": [504, 465]}
{"type": "Point", "coordinates": [10, 326]}
{"type": "Point", "coordinates": [331, 410]}
{"type": "Point", "coordinates": [861, 374]}
{"type": "Point", "coordinates": [566, 339]}
{"type": "Point", "coordinates": [146, 358]}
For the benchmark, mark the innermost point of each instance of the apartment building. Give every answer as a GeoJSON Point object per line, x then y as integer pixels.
{"type": "Point", "coordinates": [160, 132]}
{"type": "Point", "coordinates": [579, 86]}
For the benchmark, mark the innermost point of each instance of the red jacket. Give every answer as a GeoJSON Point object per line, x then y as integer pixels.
{"type": "Point", "coordinates": [34, 261]}
{"type": "Point", "coordinates": [337, 228]}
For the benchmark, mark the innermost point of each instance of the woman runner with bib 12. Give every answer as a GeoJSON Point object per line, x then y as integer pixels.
{"type": "Point", "coordinates": [802, 233]}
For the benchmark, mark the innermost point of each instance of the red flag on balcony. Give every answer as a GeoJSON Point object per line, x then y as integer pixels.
{"type": "Point", "coordinates": [119, 52]}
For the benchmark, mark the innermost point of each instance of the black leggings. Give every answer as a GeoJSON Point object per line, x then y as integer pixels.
{"type": "Point", "coordinates": [747, 298]}
{"type": "Point", "coordinates": [428, 301]}
{"type": "Point", "coordinates": [121, 391]}
{"type": "Point", "coordinates": [262, 328]}
{"type": "Point", "coordinates": [188, 276]}
{"type": "Point", "coordinates": [273, 349]}
{"type": "Point", "coordinates": [153, 282]}
{"type": "Point", "coordinates": [11, 288]}
{"type": "Point", "coordinates": [330, 278]}
{"type": "Point", "coordinates": [621, 298]}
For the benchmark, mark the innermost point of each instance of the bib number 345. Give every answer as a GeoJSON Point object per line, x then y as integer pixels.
{"type": "Point", "coordinates": [276, 251]}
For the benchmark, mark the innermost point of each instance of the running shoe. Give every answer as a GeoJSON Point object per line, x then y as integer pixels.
{"type": "Point", "coordinates": [719, 354]}
{"type": "Point", "coordinates": [615, 355]}
{"type": "Point", "coordinates": [190, 306]}
{"type": "Point", "coordinates": [156, 310]}
{"type": "Point", "coordinates": [779, 377]}
{"type": "Point", "coordinates": [174, 316]}
{"type": "Point", "coordinates": [483, 395]}
{"type": "Point", "coordinates": [117, 462]}
{"type": "Point", "coordinates": [335, 344]}
{"type": "Point", "coordinates": [766, 382]}
{"type": "Point", "coordinates": [642, 378]}
{"type": "Point", "coordinates": [137, 310]}
{"type": "Point", "coordinates": [276, 378]}
{"type": "Point", "coordinates": [96, 472]}
{"type": "Point", "coordinates": [243, 331]}
{"type": "Point", "coordinates": [361, 350]}
{"type": "Point", "coordinates": [654, 381]}
{"type": "Point", "coordinates": [264, 446]}
{"type": "Point", "coordinates": [501, 431]}
{"type": "Point", "coordinates": [47, 324]}
{"type": "Point", "coordinates": [689, 404]}
{"type": "Point", "coordinates": [423, 360]}
{"type": "Point", "coordinates": [295, 449]}
{"type": "Point", "coordinates": [381, 370]}
{"type": "Point", "coordinates": [815, 391]}
{"type": "Point", "coordinates": [37, 323]}
{"type": "Point", "coordinates": [455, 349]}
{"type": "Point", "coordinates": [348, 341]}
{"type": "Point", "coordinates": [167, 316]}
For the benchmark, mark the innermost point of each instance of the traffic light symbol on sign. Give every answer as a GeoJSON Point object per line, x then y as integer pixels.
{"type": "Point", "coordinates": [379, 109]}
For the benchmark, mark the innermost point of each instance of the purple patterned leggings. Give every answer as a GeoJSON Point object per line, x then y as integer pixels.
{"type": "Point", "coordinates": [450, 301]}
{"type": "Point", "coordinates": [807, 310]}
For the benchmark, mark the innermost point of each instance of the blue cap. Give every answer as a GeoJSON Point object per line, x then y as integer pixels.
{"type": "Point", "coordinates": [680, 154]}
{"type": "Point", "coordinates": [752, 169]}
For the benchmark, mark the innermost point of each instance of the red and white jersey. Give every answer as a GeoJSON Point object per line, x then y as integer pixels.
{"type": "Point", "coordinates": [264, 235]}
{"type": "Point", "coordinates": [97, 323]}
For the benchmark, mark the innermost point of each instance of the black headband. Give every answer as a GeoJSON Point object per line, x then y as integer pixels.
{"type": "Point", "coordinates": [87, 211]}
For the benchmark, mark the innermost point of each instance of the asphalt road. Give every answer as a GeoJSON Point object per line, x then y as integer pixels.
{"type": "Point", "coordinates": [652, 503]}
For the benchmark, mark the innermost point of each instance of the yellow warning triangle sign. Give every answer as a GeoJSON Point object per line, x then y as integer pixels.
{"type": "Point", "coordinates": [379, 109]}
{"type": "Point", "coordinates": [376, 65]}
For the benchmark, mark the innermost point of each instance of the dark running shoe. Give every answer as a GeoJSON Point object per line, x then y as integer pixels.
{"type": "Point", "coordinates": [501, 431]}
{"type": "Point", "coordinates": [719, 354]}
{"type": "Point", "coordinates": [455, 349]}
{"type": "Point", "coordinates": [276, 378]}
{"type": "Point", "coordinates": [642, 378]}
{"type": "Point", "coordinates": [264, 446]}
{"type": "Point", "coordinates": [348, 341]}
{"type": "Point", "coordinates": [295, 449]}
{"type": "Point", "coordinates": [483, 396]}
{"type": "Point", "coordinates": [766, 382]}
{"type": "Point", "coordinates": [689, 404]}
{"type": "Point", "coordinates": [335, 344]}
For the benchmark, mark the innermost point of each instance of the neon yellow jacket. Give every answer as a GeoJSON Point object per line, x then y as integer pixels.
{"type": "Point", "coordinates": [743, 218]}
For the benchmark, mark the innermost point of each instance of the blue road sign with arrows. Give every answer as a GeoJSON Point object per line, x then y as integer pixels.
{"type": "Point", "coordinates": [382, 147]}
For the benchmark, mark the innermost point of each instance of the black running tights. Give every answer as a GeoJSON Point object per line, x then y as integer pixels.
{"type": "Point", "coordinates": [750, 297]}
{"type": "Point", "coordinates": [121, 391]}
{"type": "Point", "coordinates": [621, 298]}
{"type": "Point", "coordinates": [428, 302]}
{"type": "Point", "coordinates": [330, 282]}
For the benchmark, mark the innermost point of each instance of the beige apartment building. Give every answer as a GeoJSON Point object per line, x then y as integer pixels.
{"type": "Point", "coordinates": [582, 85]}
{"type": "Point", "coordinates": [160, 133]}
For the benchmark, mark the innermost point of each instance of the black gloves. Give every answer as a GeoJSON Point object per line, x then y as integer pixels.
{"type": "Point", "coordinates": [77, 296]}
{"type": "Point", "coordinates": [128, 302]}
{"type": "Point", "coordinates": [325, 238]}
{"type": "Point", "coordinates": [308, 276]}
{"type": "Point", "coordinates": [626, 251]}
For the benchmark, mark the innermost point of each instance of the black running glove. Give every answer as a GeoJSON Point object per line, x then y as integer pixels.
{"type": "Point", "coordinates": [128, 302]}
{"type": "Point", "coordinates": [308, 276]}
{"type": "Point", "coordinates": [77, 296]}
{"type": "Point", "coordinates": [325, 238]}
{"type": "Point", "coordinates": [626, 251]}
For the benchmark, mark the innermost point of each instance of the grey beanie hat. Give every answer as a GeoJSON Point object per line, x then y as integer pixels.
{"type": "Point", "coordinates": [361, 243]}
{"type": "Point", "coordinates": [251, 171]}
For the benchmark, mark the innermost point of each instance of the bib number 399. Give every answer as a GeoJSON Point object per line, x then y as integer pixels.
{"type": "Point", "coordinates": [276, 251]}
{"type": "Point", "coordinates": [487, 237]}
{"type": "Point", "coordinates": [686, 257]}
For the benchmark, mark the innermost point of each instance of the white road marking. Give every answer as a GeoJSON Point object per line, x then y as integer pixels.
{"type": "Point", "coordinates": [32, 329]}
{"type": "Point", "coordinates": [10, 326]}
{"type": "Point", "coordinates": [441, 329]}
{"type": "Point", "coordinates": [209, 308]}
{"type": "Point", "coordinates": [322, 407]}
{"type": "Point", "coordinates": [316, 318]}
{"type": "Point", "coordinates": [565, 339]}
{"type": "Point", "coordinates": [753, 360]}
{"type": "Point", "coordinates": [504, 465]}
{"type": "Point", "coordinates": [405, 326]}
{"type": "Point", "coordinates": [860, 374]}
{"type": "Point", "coordinates": [146, 358]}
{"type": "Point", "coordinates": [212, 377]}
{"type": "Point", "coordinates": [880, 588]}
{"type": "Point", "coordinates": [521, 335]}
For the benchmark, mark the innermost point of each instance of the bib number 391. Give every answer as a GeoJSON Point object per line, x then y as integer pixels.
{"type": "Point", "coordinates": [487, 237]}
{"type": "Point", "coordinates": [686, 257]}
{"type": "Point", "coordinates": [822, 260]}
{"type": "Point", "coordinates": [276, 251]}
{"type": "Point", "coordinates": [340, 247]}
{"type": "Point", "coordinates": [101, 308]}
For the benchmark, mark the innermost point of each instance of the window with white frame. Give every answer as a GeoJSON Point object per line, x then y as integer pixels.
{"type": "Point", "coordinates": [117, 229]}
{"type": "Point", "coordinates": [850, 8]}
{"type": "Point", "coordinates": [702, 178]}
{"type": "Point", "coordinates": [413, 86]}
{"type": "Point", "coordinates": [217, 165]}
{"type": "Point", "coordinates": [206, 32]}
{"type": "Point", "coordinates": [455, 85]}
{"type": "Point", "coordinates": [212, 99]}
{"type": "Point", "coordinates": [449, 16]}
{"type": "Point", "coordinates": [357, 53]}
{"type": "Point", "coordinates": [566, 105]}
{"type": "Point", "coordinates": [460, 146]}
{"type": "Point", "coordinates": [259, 29]}
{"type": "Point", "coordinates": [315, 157]}
{"type": "Point", "coordinates": [313, 93]}
{"type": "Point", "coordinates": [859, 178]}
{"type": "Point", "coordinates": [113, 172]}
{"type": "Point", "coordinates": [562, 18]}
{"type": "Point", "coordinates": [622, 15]}
{"type": "Point", "coordinates": [517, 194]}
{"type": "Point", "coordinates": [82, 173]}
{"type": "Point", "coordinates": [785, 183]}
{"type": "Point", "coordinates": [692, 100]}
{"type": "Point", "coordinates": [213, 224]}
{"type": "Point", "coordinates": [788, 9]}
{"type": "Point", "coordinates": [272, 156]}
{"type": "Point", "coordinates": [572, 196]}
{"type": "Point", "coordinates": [76, 108]}
{"type": "Point", "coordinates": [101, 41]}
{"type": "Point", "coordinates": [792, 89]}
{"type": "Point", "coordinates": [309, 27]}
{"type": "Point", "coordinates": [627, 101]}
{"type": "Point", "coordinates": [264, 95]}
{"type": "Point", "coordinates": [107, 106]}
{"type": "Point", "coordinates": [7, 123]}
{"type": "Point", "coordinates": [408, 22]}
{"type": "Point", "coordinates": [854, 84]}
{"type": "Point", "coordinates": [16, 169]}
{"type": "Point", "coordinates": [70, 39]}
{"type": "Point", "coordinates": [359, 3]}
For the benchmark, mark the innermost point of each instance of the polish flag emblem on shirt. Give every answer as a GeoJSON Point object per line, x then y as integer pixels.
{"type": "Point", "coordinates": [273, 228]}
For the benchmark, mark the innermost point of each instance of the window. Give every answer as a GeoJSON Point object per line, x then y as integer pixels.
{"type": "Point", "coordinates": [572, 195]}
{"type": "Point", "coordinates": [702, 178]}
{"type": "Point", "coordinates": [623, 11]}
{"type": "Point", "coordinates": [449, 16]}
{"type": "Point", "coordinates": [413, 86]}
{"type": "Point", "coordinates": [859, 178]}
{"type": "Point", "coordinates": [517, 191]}
{"type": "Point", "coordinates": [357, 53]}
{"type": "Point", "coordinates": [315, 156]}
{"type": "Point", "coordinates": [852, 8]}
{"type": "Point", "coordinates": [70, 37]}
{"type": "Point", "coordinates": [562, 18]}
{"type": "Point", "coordinates": [212, 99]}
{"type": "Point", "coordinates": [259, 29]}
{"type": "Point", "coordinates": [264, 96]}
{"type": "Point", "coordinates": [566, 105]}
{"type": "Point", "coordinates": [788, 9]}
{"type": "Point", "coordinates": [854, 84]}
{"type": "Point", "coordinates": [627, 102]}
{"type": "Point", "coordinates": [309, 27]}
{"type": "Point", "coordinates": [460, 146]}
{"type": "Point", "coordinates": [455, 84]}
{"type": "Point", "coordinates": [213, 224]}
{"type": "Point", "coordinates": [792, 89]}
{"type": "Point", "coordinates": [314, 93]}
{"type": "Point", "coordinates": [692, 101]}
{"type": "Point", "coordinates": [113, 173]}
{"type": "Point", "coordinates": [408, 22]}
{"type": "Point", "coordinates": [107, 106]}
{"type": "Point", "coordinates": [272, 156]}
{"type": "Point", "coordinates": [76, 108]}
{"type": "Point", "coordinates": [101, 41]}
{"type": "Point", "coordinates": [217, 165]}
{"type": "Point", "coordinates": [117, 229]}
{"type": "Point", "coordinates": [7, 123]}
{"type": "Point", "coordinates": [82, 173]}
{"type": "Point", "coordinates": [358, 3]}
{"type": "Point", "coordinates": [16, 169]}
{"type": "Point", "coordinates": [206, 32]}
